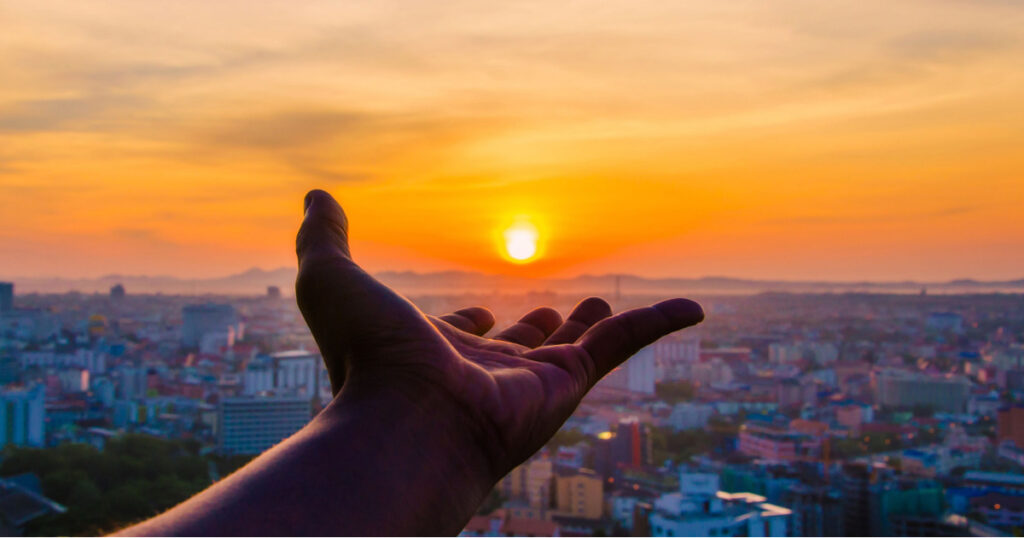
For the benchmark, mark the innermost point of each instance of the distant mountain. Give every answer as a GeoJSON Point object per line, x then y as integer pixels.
{"type": "Point", "coordinates": [255, 281]}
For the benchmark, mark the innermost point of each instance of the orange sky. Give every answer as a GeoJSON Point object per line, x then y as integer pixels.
{"type": "Point", "coordinates": [800, 140]}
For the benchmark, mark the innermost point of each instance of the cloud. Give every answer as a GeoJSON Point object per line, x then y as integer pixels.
{"type": "Point", "coordinates": [92, 112]}
{"type": "Point", "coordinates": [866, 218]}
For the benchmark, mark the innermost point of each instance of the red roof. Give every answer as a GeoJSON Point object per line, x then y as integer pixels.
{"type": "Point", "coordinates": [511, 526]}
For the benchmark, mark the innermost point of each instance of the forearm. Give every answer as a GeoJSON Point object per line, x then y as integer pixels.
{"type": "Point", "coordinates": [366, 467]}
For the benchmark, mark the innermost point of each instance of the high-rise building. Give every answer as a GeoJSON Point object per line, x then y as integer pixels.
{"type": "Point", "coordinates": [6, 296]}
{"type": "Point", "coordinates": [637, 374]}
{"type": "Point", "coordinates": [629, 445]}
{"type": "Point", "coordinates": [22, 417]}
{"type": "Point", "coordinates": [117, 291]}
{"type": "Point", "coordinates": [250, 425]}
{"type": "Point", "coordinates": [202, 319]}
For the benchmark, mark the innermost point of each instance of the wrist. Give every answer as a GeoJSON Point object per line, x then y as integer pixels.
{"type": "Point", "coordinates": [416, 455]}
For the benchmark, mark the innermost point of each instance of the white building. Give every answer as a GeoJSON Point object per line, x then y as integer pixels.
{"type": "Point", "coordinates": [103, 388]}
{"type": "Point", "coordinates": [73, 379]}
{"type": "Point", "coordinates": [258, 376]}
{"type": "Point", "coordinates": [93, 361]}
{"type": "Point", "coordinates": [132, 382]}
{"type": "Point", "coordinates": [700, 509]}
{"type": "Point", "coordinates": [250, 425]}
{"type": "Point", "coordinates": [819, 352]}
{"type": "Point", "coordinates": [673, 356]}
{"type": "Point", "coordinates": [715, 371]}
{"type": "Point", "coordinates": [635, 375]}
{"type": "Point", "coordinates": [296, 372]}
{"type": "Point", "coordinates": [22, 417]}
{"type": "Point", "coordinates": [689, 416]}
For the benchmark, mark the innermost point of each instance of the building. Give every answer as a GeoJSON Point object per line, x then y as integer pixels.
{"type": "Point", "coordinates": [73, 380]}
{"type": "Point", "coordinates": [674, 354]}
{"type": "Point", "coordinates": [273, 292]}
{"type": "Point", "coordinates": [999, 509]}
{"type": "Point", "coordinates": [1010, 425]}
{"type": "Point", "coordinates": [638, 374]}
{"type": "Point", "coordinates": [853, 415]}
{"type": "Point", "coordinates": [296, 372]}
{"type": "Point", "coordinates": [132, 382]}
{"type": "Point", "coordinates": [711, 372]}
{"type": "Point", "coordinates": [6, 296]}
{"type": "Point", "coordinates": [530, 482]}
{"type": "Point", "coordinates": [878, 502]}
{"type": "Point", "coordinates": [903, 390]}
{"type": "Point", "coordinates": [817, 510]}
{"type": "Point", "coordinates": [629, 445]}
{"type": "Point", "coordinates": [250, 425]}
{"type": "Point", "coordinates": [775, 445]}
{"type": "Point", "coordinates": [201, 319]}
{"type": "Point", "coordinates": [945, 321]}
{"type": "Point", "coordinates": [30, 324]}
{"type": "Point", "coordinates": [117, 292]}
{"type": "Point", "coordinates": [819, 352]}
{"type": "Point", "coordinates": [689, 415]}
{"type": "Point", "coordinates": [579, 494]}
{"type": "Point", "coordinates": [23, 417]}
{"type": "Point", "coordinates": [502, 523]}
{"type": "Point", "coordinates": [699, 508]}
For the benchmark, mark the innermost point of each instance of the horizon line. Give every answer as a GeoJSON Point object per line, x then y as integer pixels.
{"type": "Point", "coordinates": [108, 276]}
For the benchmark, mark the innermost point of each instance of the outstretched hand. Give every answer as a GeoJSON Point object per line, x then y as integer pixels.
{"type": "Point", "coordinates": [428, 414]}
{"type": "Point", "coordinates": [509, 393]}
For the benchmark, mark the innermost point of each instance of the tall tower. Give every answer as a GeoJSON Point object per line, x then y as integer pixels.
{"type": "Point", "coordinates": [6, 296]}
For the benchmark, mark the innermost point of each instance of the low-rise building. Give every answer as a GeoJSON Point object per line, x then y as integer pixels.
{"type": "Point", "coordinates": [700, 509]}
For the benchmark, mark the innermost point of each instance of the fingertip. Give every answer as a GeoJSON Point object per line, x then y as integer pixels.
{"type": "Point", "coordinates": [544, 318]}
{"type": "Point", "coordinates": [682, 312]}
{"type": "Point", "coordinates": [481, 317]}
{"type": "Point", "coordinates": [324, 230]}
{"type": "Point", "coordinates": [591, 310]}
{"type": "Point", "coordinates": [310, 196]}
{"type": "Point", "coordinates": [320, 200]}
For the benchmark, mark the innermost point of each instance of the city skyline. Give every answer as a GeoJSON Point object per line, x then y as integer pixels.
{"type": "Point", "coordinates": [785, 141]}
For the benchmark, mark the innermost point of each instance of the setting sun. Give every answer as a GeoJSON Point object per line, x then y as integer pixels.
{"type": "Point", "coordinates": [521, 241]}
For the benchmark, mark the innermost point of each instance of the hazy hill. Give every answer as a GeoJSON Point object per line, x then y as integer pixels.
{"type": "Point", "coordinates": [255, 281]}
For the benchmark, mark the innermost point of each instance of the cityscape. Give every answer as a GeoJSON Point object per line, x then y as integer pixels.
{"type": "Point", "coordinates": [783, 414]}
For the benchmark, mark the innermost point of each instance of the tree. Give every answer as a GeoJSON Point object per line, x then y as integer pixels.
{"type": "Point", "coordinates": [135, 477]}
{"type": "Point", "coordinates": [673, 392]}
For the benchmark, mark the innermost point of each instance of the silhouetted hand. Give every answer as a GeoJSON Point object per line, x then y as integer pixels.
{"type": "Point", "coordinates": [511, 392]}
{"type": "Point", "coordinates": [428, 415]}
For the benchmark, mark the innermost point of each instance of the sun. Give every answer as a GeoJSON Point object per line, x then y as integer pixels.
{"type": "Point", "coordinates": [521, 241]}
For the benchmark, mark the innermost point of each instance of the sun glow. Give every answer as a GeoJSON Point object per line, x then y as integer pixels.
{"type": "Point", "coordinates": [521, 241]}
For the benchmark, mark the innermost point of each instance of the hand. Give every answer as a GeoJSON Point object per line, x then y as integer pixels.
{"type": "Point", "coordinates": [508, 394]}
{"type": "Point", "coordinates": [428, 414]}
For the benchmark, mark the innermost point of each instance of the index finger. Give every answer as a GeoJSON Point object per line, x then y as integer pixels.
{"type": "Point", "coordinates": [615, 339]}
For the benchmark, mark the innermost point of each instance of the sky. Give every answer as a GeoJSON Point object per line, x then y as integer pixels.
{"type": "Point", "coordinates": [840, 140]}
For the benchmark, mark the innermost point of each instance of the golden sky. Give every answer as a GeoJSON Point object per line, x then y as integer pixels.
{"type": "Point", "coordinates": [787, 139]}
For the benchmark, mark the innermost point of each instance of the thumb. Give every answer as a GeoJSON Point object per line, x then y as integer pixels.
{"type": "Point", "coordinates": [351, 314]}
{"type": "Point", "coordinates": [324, 231]}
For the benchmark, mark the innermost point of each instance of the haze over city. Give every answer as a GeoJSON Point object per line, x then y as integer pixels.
{"type": "Point", "coordinates": [789, 140]}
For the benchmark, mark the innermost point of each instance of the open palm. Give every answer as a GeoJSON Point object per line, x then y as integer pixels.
{"type": "Point", "coordinates": [511, 392]}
